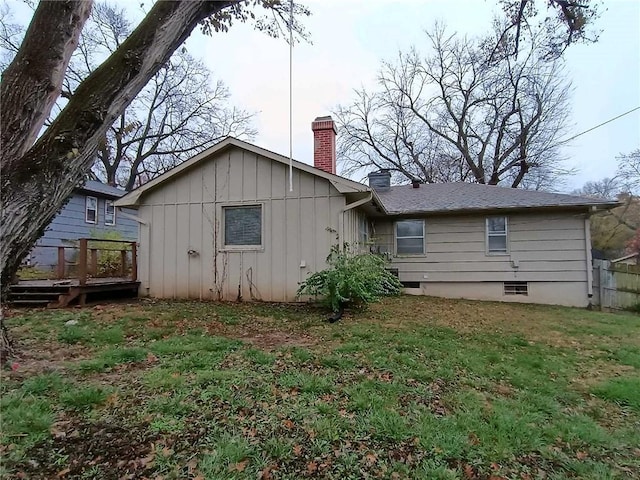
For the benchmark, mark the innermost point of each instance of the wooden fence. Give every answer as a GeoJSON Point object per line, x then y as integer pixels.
{"type": "Point", "coordinates": [616, 285]}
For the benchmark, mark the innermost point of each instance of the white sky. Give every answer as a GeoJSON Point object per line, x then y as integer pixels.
{"type": "Point", "coordinates": [351, 37]}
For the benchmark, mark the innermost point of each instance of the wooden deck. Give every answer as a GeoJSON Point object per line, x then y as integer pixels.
{"type": "Point", "coordinates": [61, 293]}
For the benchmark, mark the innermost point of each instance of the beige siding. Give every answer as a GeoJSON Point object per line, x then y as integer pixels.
{"type": "Point", "coordinates": [182, 253]}
{"type": "Point", "coordinates": [543, 248]}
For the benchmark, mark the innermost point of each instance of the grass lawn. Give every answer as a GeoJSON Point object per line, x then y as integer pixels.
{"type": "Point", "coordinates": [414, 387]}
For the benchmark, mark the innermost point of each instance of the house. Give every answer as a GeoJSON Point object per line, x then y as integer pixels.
{"type": "Point", "coordinates": [89, 213]}
{"type": "Point", "coordinates": [226, 225]}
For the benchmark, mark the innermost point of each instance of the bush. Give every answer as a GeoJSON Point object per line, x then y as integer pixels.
{"type": "Point", "coordinates": [351, 279]}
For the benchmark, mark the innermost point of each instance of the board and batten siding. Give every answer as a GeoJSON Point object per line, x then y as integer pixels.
{"type": "Point", "coordinates": [547, 250]}
{"type": "Point", "coordinates": [69, 225]}
{"type": "Point", "coordinates": [182, 252]}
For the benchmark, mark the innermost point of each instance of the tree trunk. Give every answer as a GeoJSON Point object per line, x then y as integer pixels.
{"type": "Point", "coordinates": [32, 82]}
{"type": "Point", "coordinates": [36, 185]}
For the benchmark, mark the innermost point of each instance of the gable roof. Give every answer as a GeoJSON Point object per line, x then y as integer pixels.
{"type": "Point", "coordinates": [462, 197]}
{"type": "Point", "coordinates": [102, 189]}
{"type": "Point", "coordinates": [343, 185]}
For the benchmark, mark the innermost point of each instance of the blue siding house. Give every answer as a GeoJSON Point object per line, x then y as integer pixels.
{"type": "Point", "coordinates": [89, 213]}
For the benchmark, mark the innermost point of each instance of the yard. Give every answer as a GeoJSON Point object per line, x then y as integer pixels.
{"type": "Point", "coordinates": [414, 387]}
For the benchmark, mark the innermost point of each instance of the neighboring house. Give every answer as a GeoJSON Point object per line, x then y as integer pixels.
{"type": "Point", "coordinates": [225, 225]}
{"type": "Point", "coordinates": [89, 213]}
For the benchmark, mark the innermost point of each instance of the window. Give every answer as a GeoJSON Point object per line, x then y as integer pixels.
{"type": "Point", "coordinates": [363, 231]}
{"type": "Point", "coordinates": [410, 237]}
{"type": "Point", "coordinates": [91, 210]}
{"type": "Point", "coordinates": [243, 226]}
{"type": "Point", "coordinates": [497, 235]}
{"type": "Point", "coordinates": [516, 288]}
{"type": "Point", "coordinates": [109, 212]}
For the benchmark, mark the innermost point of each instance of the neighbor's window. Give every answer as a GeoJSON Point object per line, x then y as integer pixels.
{"type": "Point", "coordinates": [109, 212]}
{"type": "Point", "coordinates": [410, 237]}
{"type": "Point", "coordinates": [497, 234]}
{"type": "Point", "coordinates": [243, 225]}
{"type": "Point", "coordinates": [91, 209]}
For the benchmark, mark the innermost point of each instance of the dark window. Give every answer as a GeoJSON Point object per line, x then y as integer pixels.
{"type": "Point", "coordinates": [410, 284]}
{"type": "Point", "coordinates": [410, 237]}
{"type": "Point", "coordinates": [497, 234]}
{"type": "Point", "coordinates": [91, 210]}
{"type": "Point", "coordinates": [243, 226]}
{"type": "Point", "coordinates": [516, 288]}
{"type": "Point", "coordinates": [109, 213]}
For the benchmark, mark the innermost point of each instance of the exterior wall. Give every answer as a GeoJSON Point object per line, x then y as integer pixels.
{"type": "Point", "coordinates": [182, 254]}
{"type": "Point", "coordinates": [547, 250]}
{"type": "Point", "coordinates": [353, 220]}
{"type": "Point", "coordinates": [69, 225]}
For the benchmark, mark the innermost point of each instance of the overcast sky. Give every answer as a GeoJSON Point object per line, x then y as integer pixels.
{"type": "Point", "coordinates": [351, 37]}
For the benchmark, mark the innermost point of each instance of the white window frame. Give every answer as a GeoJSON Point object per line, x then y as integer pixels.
{"type": "Point", "coordinates": [86, 210]}
{"type": "Point", "coordinates": [106, 214]}
{"type": "Point", "coordinates": [504, 234]}
{"type": "Point", "coordinates": [226, 247]}
{"type": "Point", "coordinates": [423, 237]}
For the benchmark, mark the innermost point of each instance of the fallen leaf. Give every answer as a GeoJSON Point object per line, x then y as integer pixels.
{"type": "Point", "coordinates": [297, 450]}
{"type": "Point", "coordinates": [62, 473]}
{"type": "Point", "coordinates": [468, 472]}
{"type": "Point", "coordinates": [288, 423]}
{"type": "Point", "coordinates": [370, 458]}
{"type": "Point", "coordinates": [265, 474]}
{"type": "Point", "coordinates": [312, 467]}
{"type": "Point", "coordinates": [581, 455]}
{"type": "Point", "coordinates": [238, 467]}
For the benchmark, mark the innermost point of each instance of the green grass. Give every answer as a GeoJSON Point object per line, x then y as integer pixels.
{"type": "Point", "coordinates": [412, 388]}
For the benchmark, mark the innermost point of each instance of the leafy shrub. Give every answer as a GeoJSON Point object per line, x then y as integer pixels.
{"type": "Point", "coordinates": [351, 279]}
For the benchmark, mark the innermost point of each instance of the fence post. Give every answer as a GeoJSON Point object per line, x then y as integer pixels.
{"type": "Point", "coordinates": [82, 262]}
{"type": "Point", "coordinates": [134, 261]}
{"type": "Point", "coordinates": [601, 285]}
{"type": "Point", "coordinates": [60, 262]}
{"type": "Point", "coordinates": [123, 263]}
{"type": "Point", "coordinates": [94, 262]}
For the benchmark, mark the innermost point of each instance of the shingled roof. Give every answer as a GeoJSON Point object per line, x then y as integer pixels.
{"type": "Point", "coordinates": [460, 197]}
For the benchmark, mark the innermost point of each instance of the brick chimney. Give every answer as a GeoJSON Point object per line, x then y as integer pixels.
{"type": "Point", "coordinates": [324, 144]}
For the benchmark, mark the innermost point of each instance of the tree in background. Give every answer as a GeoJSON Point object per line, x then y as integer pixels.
{"type": "Point", "coordinates": [462, 113]}
{"type": "Point", "coordinates": [179, 113]}
{"type": "Point", "coordinates": [616, 231]}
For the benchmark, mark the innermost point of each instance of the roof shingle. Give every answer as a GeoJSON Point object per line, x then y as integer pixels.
{"type": "Point", "coordinates": [455, 197]}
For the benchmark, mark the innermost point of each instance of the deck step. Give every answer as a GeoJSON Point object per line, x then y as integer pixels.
{"type": "Point", "coordinates": [23, 301]}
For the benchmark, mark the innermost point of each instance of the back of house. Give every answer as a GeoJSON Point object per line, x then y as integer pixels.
{"type": "Point", "coordinates": [235, 222]}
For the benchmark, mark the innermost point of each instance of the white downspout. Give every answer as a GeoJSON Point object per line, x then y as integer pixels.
{"type": "Point", "coordinates": [350, 206]}
{"type": "Point", "coordinates": [589, 261]}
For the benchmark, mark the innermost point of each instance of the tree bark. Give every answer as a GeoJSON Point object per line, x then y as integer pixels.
{"type": "Point", "coordinates": [31, 84]}
{"type": "Point", "coordinates": [36, 185]}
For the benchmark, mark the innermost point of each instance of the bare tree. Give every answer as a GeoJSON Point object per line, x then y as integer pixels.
{"type": "Point", "coordinates": [629, 171]}
{"type": "Point", "coordinates": [181, 112]}
{"type": "Point", "coordinates": [606, 188]}
{"type": "Point", "coordinates": [557, 23]}
{"type": "Point", "coordinates": [460, 114]}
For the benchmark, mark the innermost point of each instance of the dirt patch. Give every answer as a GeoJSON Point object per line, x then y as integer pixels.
{"type": "Point", "coordinates": [99, 450]}
{"type": "Point", "coordinates": [275, 340]}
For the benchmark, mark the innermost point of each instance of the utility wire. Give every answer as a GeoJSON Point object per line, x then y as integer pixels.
{"type": "Point", "coordinates": [600, 125]}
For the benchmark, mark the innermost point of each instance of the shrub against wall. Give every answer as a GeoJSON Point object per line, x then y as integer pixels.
{"type": "Point", "coordinates": [351, 278]}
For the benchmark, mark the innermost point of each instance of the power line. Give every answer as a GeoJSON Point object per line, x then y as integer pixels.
{"type": "Point", "coordinates": [600, 125]}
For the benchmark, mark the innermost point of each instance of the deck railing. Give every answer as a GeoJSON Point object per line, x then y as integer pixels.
{"type": "Point", "coordinates": [88, 259]}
